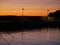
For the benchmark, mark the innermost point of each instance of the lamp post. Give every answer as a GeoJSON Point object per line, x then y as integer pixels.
{"type": "Point", "coordinates": [47, 12]}
{"type": "Point", "coordinates": [22, 22]}
{"type": "Point", "coordinates": [47, 28]}
{"type": "Point", "coordinates": [22, 11]}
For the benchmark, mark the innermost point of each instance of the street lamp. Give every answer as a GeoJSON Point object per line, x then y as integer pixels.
{"type": "Point", "coordinates": [47, 12]}
{"type": "Point", "coordinates": [47, 28]}
{"type": "Point", "coordinates": [22, 22]}
{"type": "Point", "coordinates": [22, 11]}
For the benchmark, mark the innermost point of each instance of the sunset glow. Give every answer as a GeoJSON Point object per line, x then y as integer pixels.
{"type": "Point", "coordinates": [31, 7]}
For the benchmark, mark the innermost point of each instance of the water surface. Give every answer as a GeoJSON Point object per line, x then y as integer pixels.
{"type": "Point", "coordinates": [44, 36]}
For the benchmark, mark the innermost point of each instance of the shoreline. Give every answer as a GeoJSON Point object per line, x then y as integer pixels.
{"type": "Point", "coordinates": [13, 23]}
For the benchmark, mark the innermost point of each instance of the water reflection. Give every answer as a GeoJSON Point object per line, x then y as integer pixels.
{"type": "Point", "coordinates": [44, 36]}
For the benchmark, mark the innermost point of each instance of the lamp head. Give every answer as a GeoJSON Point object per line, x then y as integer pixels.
{"type": "Point", "coordinates": [22, 8]}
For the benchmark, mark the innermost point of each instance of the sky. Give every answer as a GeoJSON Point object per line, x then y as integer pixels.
{"type": "Point", "coordinates": [31, 7]}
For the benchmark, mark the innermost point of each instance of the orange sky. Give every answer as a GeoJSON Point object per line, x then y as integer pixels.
{"type": "Point", "coordinates": [32, 7]}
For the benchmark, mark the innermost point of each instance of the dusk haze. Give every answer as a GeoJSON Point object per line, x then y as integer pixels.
{"type": "Point", "coordinates": [29, 22]}
{"type": "Point", "coordinates": [31, 7]}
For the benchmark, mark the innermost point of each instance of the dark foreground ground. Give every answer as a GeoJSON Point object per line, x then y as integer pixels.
{"type": "Point", "coordinates": [15, 23]}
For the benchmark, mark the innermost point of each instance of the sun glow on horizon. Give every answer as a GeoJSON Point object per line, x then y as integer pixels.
{"type": "Point", "coordinates": [31, 7]}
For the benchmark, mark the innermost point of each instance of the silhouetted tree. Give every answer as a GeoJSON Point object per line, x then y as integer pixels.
{"type": "Point", "coordinates": [55, 14]}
